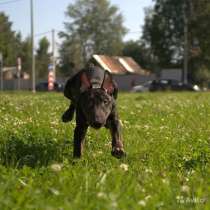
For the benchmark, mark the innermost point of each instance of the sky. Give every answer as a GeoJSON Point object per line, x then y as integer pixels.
{"type": "Point", "coordinates": [50, 14]}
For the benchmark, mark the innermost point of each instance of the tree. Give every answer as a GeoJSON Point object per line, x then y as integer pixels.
{"type": "Point", "coordinates": [25, 55]}
{"type": "Point", "coordinates": [94, 26]}
{"type": "Point", "coordinates": [200, 31]}
{"type": "Point", "coordinates": [10, 42]}
{"type": "Point", "coordinates": [138, 52]}
{"type": "Point", "coordinates": [42, 58]}
{"type": "Point", "coordinates": [163, 33]}
{"type": "Point", "coordinates": [203, 76]}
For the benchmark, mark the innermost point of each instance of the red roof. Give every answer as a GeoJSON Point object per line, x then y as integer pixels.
{"type": "Point", "coordinates": [119, 64]}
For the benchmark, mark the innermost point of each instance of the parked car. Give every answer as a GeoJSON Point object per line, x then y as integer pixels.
{"type": "Point", "coordinates": [187, 87]}
{"type": "Point", "coordinates": [163, 85]}
{"type": "Point", "coordinates": [142, 88]}
{"type": "Point", "coordinates": [43, 86]}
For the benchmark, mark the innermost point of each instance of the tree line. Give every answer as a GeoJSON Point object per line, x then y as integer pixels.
{"type": "Point", "coordinates": [12, 46]}
{"type": "Point", "coordinates": [97, 27]}
{"type": "Point", "coordinates": [163, 35]}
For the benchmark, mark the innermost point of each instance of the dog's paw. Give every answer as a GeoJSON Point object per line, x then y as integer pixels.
{"type": "Point", "coordinates": [67, 116]}
{"type": "Point", "coordinates": [118, 152]}
{"type": "Point", "coordinates": [65, 119]}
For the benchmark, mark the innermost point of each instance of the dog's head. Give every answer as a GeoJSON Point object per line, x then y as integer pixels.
{"type": "Point", "coordinates": [97, 103]}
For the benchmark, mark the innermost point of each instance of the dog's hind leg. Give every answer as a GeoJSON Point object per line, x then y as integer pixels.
{"type": "Point", "coordinates": [68, 114]}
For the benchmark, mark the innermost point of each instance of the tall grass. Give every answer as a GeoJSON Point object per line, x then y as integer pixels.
{"type": "Point", "coordinates": [166, 137]}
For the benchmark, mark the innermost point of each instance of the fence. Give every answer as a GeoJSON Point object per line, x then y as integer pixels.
{"type": "Point", "coordinates": [125, 82]}
{"type": "Point", "coordinates": [13, 84]}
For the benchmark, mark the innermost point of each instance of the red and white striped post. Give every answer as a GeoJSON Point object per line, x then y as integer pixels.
{"type": "Point", "coordinates": [51, 78]}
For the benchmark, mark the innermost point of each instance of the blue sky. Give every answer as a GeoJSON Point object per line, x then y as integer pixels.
{"type": "Point", "coordinates": [49, 14]}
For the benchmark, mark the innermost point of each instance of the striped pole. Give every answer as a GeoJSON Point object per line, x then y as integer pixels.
{"type": "Point", "coordinates": [51, 79]}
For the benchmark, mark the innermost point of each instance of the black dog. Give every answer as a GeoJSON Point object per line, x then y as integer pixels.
{"type": "Point", "coordinates": [93, 92]}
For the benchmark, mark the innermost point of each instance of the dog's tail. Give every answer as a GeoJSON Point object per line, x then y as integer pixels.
{"type": "Point", "coordinates": [68, 114]}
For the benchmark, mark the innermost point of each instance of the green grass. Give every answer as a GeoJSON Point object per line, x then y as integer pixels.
{"type": "Point", "coordinates": [166, 136]}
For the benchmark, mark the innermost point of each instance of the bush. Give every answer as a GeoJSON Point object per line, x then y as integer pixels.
{"type": "Point", "coordinates": [203, 76]}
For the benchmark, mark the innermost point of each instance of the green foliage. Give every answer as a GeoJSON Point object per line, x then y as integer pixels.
{"type": "Point", "coordinates": [139, 53]}
{"type": "Point", "coordinates": [163, 33]}
{"type": "Point", "coordinates": [26, 55]}
{"type": "Point", "coordinates": [10, 41]}
{"type": "Point", "coordinates": [93, 27]}
{"type": "Point", "coordinates": [203, 76]}
{"type": "Point", "coordinates": [12, 46]}
{"type": "Point", "coordinates": [42, 58]}
{"type": "Point", "coordinates": [200, 29]}
{"type": "Point", "coordinates": [166, 136]}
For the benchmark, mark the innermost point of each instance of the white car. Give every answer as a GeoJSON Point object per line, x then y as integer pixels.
{"type": "Point", "coordinates": [142, 88]}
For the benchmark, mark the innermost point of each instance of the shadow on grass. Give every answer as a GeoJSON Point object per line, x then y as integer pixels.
{"type": "Point", "coordinates": [17, 153]}
{"type": "Point", "coordinates": [141, 98]}
{"type": "Point", "coordinates": [201, 161]}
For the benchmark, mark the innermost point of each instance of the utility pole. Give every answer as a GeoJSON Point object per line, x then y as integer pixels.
{"type": "Point", "coordinates": [186, 50]}
{"type": "Point", "coordinates": [1, 69]}
{"type": "Point", "coordinates": [32, 49]}
{"type": "Point", "coordinates": [53, 54]}
{"type": "Point", "coordinates": [19, 68]}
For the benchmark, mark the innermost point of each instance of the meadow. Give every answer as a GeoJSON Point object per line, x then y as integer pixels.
{"type": "Point", "coordinates": [166, 137]}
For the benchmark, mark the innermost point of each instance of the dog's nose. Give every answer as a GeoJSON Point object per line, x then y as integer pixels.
{"type": "Point", "coordinates": [97, 124]}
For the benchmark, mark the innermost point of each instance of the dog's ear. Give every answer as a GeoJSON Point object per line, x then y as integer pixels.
{"type": "Point", "coordinates": [108, 83]}
{"type": "Point", "coordinates": [85, 82]}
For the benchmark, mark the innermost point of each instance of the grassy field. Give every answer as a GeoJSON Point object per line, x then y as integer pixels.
{"type": "Point", "coordinates": [166, 136]}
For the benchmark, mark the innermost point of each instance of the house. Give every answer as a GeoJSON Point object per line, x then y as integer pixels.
{"type": "Point", "coordinates": [10, 80]}
{"type": "Point", "coordinates": [173, 74]}
{"type": "Point", "coordinates": [9, 73]}
{"type": "Point", "coordinates": [125, 71]}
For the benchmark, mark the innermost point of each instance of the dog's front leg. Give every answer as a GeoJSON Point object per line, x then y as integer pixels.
{"type": "Point", "coordinates": [68, 114]}
{"type": "Point", "coordinates": [79, 133]}
{"type": "Point", "coordinates": [115, 129]}
{"type": "Point", "coordinates": [79, 136]}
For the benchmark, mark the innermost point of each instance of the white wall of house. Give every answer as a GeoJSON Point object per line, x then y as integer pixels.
{"type": "Point", "coordinates": [175, 74]}
{"type": "Point", "coordinates": [125, 82]}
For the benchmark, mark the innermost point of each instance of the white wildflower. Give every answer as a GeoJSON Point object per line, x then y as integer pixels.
{"type": "Point", "coordinates": [146, 127]}
{"type": "Point", "coordinates": [147, 197]}
{"type": "Point", "coordinates": [101, 195]}
{"type": "Point", "coordinates": [54, 191]}
{"type": "Point", "coordinates": [142, 203]}
{"type": "Point", "coordinates": [148, 170]}
{"type": "Point", "coordinates": [143, 190]}
{"type": "Point", "coordinates": [185, 188]}
{"type": "Point", "coordinates": [165, 181]}
{"type": "Point", "coordinates": [124, 166]}
{"type": "Point", "coordinates": [56, 167]}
